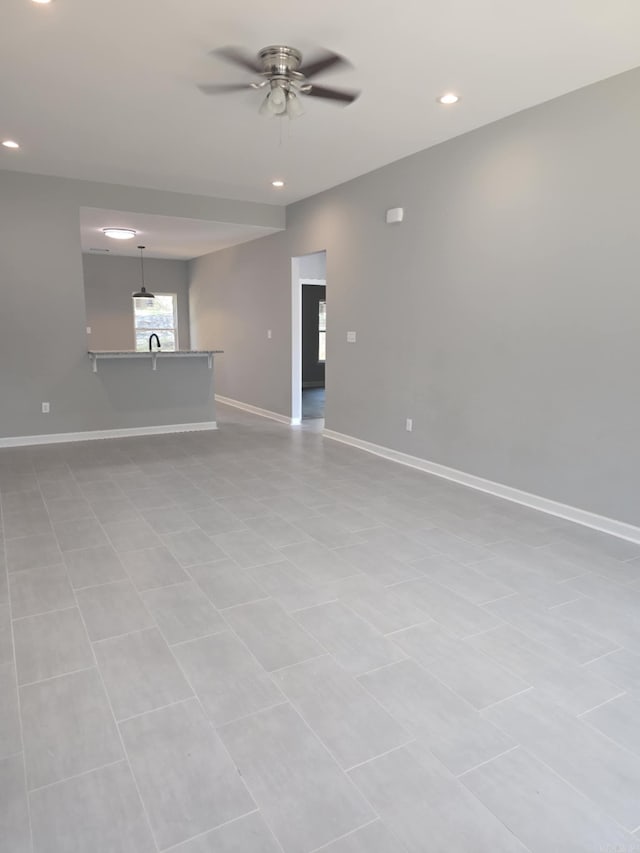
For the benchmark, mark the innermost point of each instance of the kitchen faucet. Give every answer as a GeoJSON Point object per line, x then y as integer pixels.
{"type": "Point", "coordinates": [151, 337]}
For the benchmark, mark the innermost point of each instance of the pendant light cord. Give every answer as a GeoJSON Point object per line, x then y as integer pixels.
{"type": "Point", "coordinates": [141, 265]}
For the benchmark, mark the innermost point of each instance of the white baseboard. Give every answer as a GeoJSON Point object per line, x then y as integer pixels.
{"type": "Point", "coordinates": [255, 410]}
{"type": "Point", "coordinates": [570, 513]}
{"type": "Point", "coordinates": [93, 435]}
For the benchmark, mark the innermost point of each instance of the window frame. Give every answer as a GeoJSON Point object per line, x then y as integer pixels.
{"type": "Point", "coordinates": [173, 328]}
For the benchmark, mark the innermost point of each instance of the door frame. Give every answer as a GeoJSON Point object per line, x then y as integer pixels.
{"type": "Point", "coordinates": [297, 283]}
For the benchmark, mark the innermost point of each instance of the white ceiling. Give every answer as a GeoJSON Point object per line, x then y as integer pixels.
{"type": "Point", "coordinates": [163, 236]}
{"type": "Point", "coordinates": [106, 89]}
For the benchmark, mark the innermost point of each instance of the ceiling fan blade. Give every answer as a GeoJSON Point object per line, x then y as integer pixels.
{"type": "Point", "coordinates": [238, 57]}
{"type": "Point", "coordinates": [323, 62]}
{"type": "Point", "coordinates": [333, 94]}
{"type": "Point", "coordinates": [221, 88]}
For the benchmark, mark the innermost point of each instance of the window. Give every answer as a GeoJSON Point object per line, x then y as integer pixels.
{"type": "Point", "coordinates": [322, 331]}
{"type": "Point", "coordinates": [156, 316]}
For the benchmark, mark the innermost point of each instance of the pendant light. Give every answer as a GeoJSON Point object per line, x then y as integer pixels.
{"type": "Point", "coordinates": [142, 293]}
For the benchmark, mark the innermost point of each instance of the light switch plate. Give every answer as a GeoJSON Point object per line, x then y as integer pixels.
{"type": "Point", "coordinates": [269, 333]}
{"type": "Point", "coordinates": [88, 330]}
{"type": "Point", "coordinates": [351, 337]}
{"type": "Point", "coordinates": [45, 409]}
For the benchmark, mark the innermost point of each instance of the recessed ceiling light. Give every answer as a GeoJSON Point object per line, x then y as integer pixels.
{"type": "Point", "coordinates": [9, 143]}
{"type": "Point", "coordinates": [277, 184]}
{"type": "Point", "coordinates": [448, 98]}
{"type": "Point", "coordinates": [119, 233]}
{"type": "Point", "coordinates": [42, 2]}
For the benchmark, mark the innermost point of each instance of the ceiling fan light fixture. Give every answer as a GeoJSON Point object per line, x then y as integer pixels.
{"type": "Point", "coordinates": [448, 98]}
{"type": "Point", "coordinates": [277, 99]}
{"type": "Point", "coordinates": [119, 233]}
{"type": "Point", "coordinates": [294, 107]}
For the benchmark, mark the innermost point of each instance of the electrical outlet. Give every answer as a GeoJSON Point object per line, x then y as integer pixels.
{"type": "Point", "coordinates": [351, 337]}
{"type": "Point", "coordinates": [409, 426]}
{"type": "Point", "coordinates": [45, 409]}
{"type": "Point", "coordinates": [269, 333]}
{"type": "Point", "coordinates": [88, 330]}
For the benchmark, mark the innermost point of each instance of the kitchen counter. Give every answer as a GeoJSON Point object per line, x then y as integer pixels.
{"type": "Point", "coordinates": [153, 355]}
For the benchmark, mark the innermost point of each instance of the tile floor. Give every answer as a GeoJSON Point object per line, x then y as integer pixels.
{"type": "Point", "coordinates": [259, 640]}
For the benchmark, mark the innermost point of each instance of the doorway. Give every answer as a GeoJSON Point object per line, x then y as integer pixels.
{"type": "Point", "coordinates": [309, 332]}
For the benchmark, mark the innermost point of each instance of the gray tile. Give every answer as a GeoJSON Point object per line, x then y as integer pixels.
{"type": "Point", "coordinates": [419, 800]}
{"type": "Point", "coordinates": [328, 531]}
{"type": "Point", "coordinates": [171, 519]}
{"type": "Point", "coordinates": [621, 668]}
{"type": "Point", "coordinates": [183, 612]}
{"type": "Point", "coordinates": [93, 566]}
{"type": "Point", "coordinates": [276, 531]}
{"type": "Point", "coordinates": [229, 682]}
{"type": "Point", "coordinates": [69, 509]}
{"type": "Point", "coordinates": [131, 535]}
{"type": "Point", "coordinates": [4, 582]}
{"type": "Point", "coordinates": [140, 673]}
{"type": "Point", "coordinates": [545, 626]}
{"type": "Point", "coordinates": [99, 812]}
{"type": "Point", "coordinates": [530, 583]}
{"type": "Point", "coordinates": [29, 522]}
{"type": "Point", "coordinates": [51, 644]}
{"type": "Point", "coordinates": [114, 510]}
{"type": "Point", "coordinates": [573, 687]}
{"type": "Point", "coordinates": [356, 645]}
{"type": "Point", "coordinates": [113, 609]}
{"type": "Point", "coordinates": [351, 724]}
{"type": "Point", "coordinates": [15, 834]}
{"type": "Point", "coordinates": [10, 742]}
{"type": "Point", "coordinates": [68, 727]}
{"type": "Point", "coordinates": [618, 720]}
{"type": "Point", "coordinates": [398, 546]}
{"type": "Point", "coordinates": [457, 615]}
{"type": "Point", "coordinates": [186, 779]}
{"type": "Point", "coordinates": [226, 584]}
{"type": "Point", "coordinates": [542, 809]}
{"type": "Point", "coordinates": [384, 608]}
{"type": "Point", "coordinates": [595, 765]}
{"type": "Point", "coordinates": [373, 838]}
{"type": "Point", "coordinates": [454, 547]}
{"type": "Point", "coordinates": [465, 670]}
{"type": "Point", "coordinates": [6, 640]}
{"type": "Point", "coordinates": [81, 533]}
{"type": "Point", "coordinates": [243, 507]}
{"type": "Point", "coordinates": [150, 568]}
{"type": "Point", "coordinates": [247, 548]}
{"type": "Point", "coordinates": [289, 586]}
{"type": "Point", "coordinates": [248, 834]}
{"type": "Point", "coordinates": [40, 590]}
{"type": "Point", "coordinates": [317, 563]}
{"type": "Point", "coordinates": [301, 791]}
{"type": "Point", "coordinates": [271, 634]}
{"type": "Point", "coordinates": [449, 726]}
{"type": "Point", "coordinates": [465, 581]}
{"type": "Point", "coordinates": [193, 547]}
{"type": "Point", "coordinates": [32, 552]}
{"type": "Point", "coordinates": [381, 567]}
{"type": "Point", "coordinates": [215, 519]}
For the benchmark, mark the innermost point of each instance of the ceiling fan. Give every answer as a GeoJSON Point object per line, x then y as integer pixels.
{"type": "Point", "coordinates": [285, 78]}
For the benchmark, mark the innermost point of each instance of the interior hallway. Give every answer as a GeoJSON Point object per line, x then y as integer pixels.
{"type": "Point", "coordinates": [262, 640]}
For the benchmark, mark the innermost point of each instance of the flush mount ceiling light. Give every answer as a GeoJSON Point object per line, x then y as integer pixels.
{"type": "Point", "coordinates": [277, 184]}
{"type": "Point", "coordinates": [119, 233]}
{"type": "Point", "coordinates": [448, 98]}
{"type": "Point", "coordinates": [143, 293]}
{"type": "Point", "coordinates": [42, 2]}
{"type": "Point", "coordinates": [10, 143]}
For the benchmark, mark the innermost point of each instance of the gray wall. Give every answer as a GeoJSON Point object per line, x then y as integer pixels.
{"type": "Point", "coordinates": [43, 343]}
{"type": "Point", "coordinates": [108, 284]}
{"type": "Point", "coordinates": [502, 315]}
